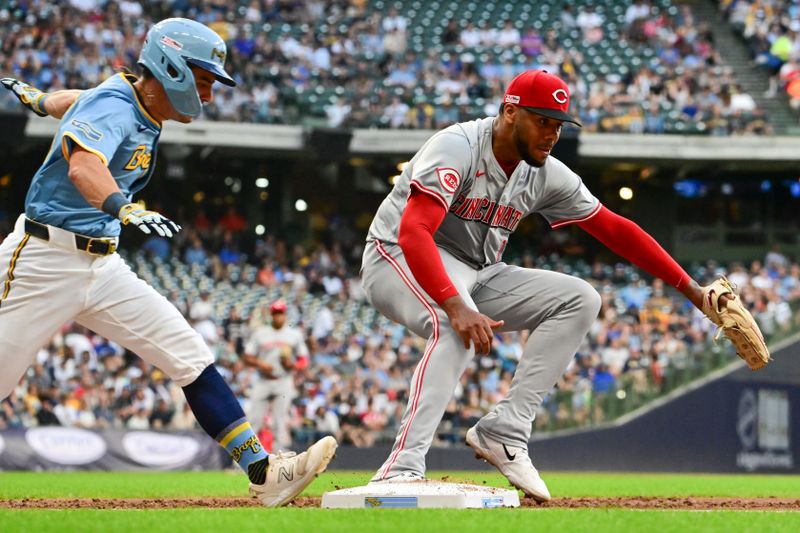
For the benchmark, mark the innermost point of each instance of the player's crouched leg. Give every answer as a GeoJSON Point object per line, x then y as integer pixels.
{"type": "Point", "coordinates": [586, 303]}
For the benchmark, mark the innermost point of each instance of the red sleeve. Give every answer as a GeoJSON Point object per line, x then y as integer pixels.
{"type": "Point", "coordinates": [422, 217]}
{"type": "Point", "coordinates": [626, 238]}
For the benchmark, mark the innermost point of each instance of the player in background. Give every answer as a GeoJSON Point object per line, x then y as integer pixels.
{"type": "Point", "coordinates": [59, 263]}
{"type": "Point", "coordinates": [433, 262]}
{"type": "Point", "coordinates": [273, 351]}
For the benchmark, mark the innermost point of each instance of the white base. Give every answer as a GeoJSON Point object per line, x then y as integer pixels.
{"type": "Point", "coordinates": [421, 494]}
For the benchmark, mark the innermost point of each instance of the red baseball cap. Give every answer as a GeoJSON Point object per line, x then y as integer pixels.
{"type": "Point", "coordinates": [541, 92]}
{"type": "Point", "coordinates": [278, 306]}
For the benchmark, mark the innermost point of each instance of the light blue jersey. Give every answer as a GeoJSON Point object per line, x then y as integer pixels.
{"type": "Point", "coordinates": [111, 122]}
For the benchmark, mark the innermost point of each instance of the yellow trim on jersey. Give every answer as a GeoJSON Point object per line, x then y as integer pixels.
{"type": "Point", "coordinates": [235, 432]}
{"type": "Point", "coordinates": [65, 152]}
{"type": "Point", "coordinates": [139, 102]}
{"type": "Point", "coordinates": [11, 266]}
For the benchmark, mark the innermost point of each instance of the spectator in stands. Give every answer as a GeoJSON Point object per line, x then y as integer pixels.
{"type": "Point", "coordinates": [325, 422]}
{"type": "Point", "coordinates": [46, 416]}
{"type": "Point", "coordinates": [233, 221]}
{"type": "Point", "coordinates": [195, 254]}
{"type": "Point", "coordinates": [591, 24]}
{"type": "Point", "coordinates": [567, 18]}
{"type": "Point", "coordinates": [324, 322]}
{"type": "Point", "coordinates": [446, 114]}
{"type": "Point", "coordinates": [451, 33]}
{"type": "Point", "coordinates": [470, 36]}
{"type": "Point", "coordinates": [509, 35]}
{"type": "Point", "coordinates": [395, 113]}
{"type": "Point", "coordinates": [270, 92]}
{"type": "Point", "coordinates": [337, 112]}
{"type": "Point", "coordinates": [157, 246]}
{"type": "Point", "coordinates": [603, 380]}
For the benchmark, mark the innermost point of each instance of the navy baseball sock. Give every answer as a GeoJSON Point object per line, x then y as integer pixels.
{"type": "Point", "coordinates": [221, 416]}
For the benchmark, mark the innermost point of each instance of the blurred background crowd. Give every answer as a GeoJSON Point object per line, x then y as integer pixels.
{"type": "Point", "coordinates": [639, 66]}
{"type": "Point", "coordinates": [772, 32]}
{"type": "Point", "coordinates": [634, 66]}
{"type": "Point", "coordinates": [355, 380]}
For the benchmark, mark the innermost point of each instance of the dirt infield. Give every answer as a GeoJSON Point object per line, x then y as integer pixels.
{"type": "Point", "coordinates": [653, 503]}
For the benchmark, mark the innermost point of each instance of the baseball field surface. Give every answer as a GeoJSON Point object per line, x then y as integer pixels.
{"type": "Point", "coordinates": [200, 501]}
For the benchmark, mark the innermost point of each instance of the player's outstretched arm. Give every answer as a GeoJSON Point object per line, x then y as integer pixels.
{"type": "Point", "coordinates": [94, 181]}
{"type": "Point", "coordinates": [57, 103]}
{"type": "Point", "coordinates": [43, 104]}
{"type": "Point", "coordinates": [717, 301]}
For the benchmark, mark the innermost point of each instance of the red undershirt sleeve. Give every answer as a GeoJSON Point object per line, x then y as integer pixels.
{"type": "Point", "coordinates": [626, 238]}
{"type": "Point", "coordinates": [422, 217]}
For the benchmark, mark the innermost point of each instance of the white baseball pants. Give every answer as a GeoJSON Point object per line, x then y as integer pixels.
{"type": "Point", "coordinates": [45, 283]}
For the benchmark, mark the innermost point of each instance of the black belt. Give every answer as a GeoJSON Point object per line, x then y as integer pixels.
{"type": "Point", "coordinates": [92, 245]}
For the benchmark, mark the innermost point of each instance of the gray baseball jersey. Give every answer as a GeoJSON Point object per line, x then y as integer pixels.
{"type": "Point", "coordinates": [274, 396]}
{"type": "Point", "coordinates": [270, 345]}
{"type": "Point", "coordinates": [457, 167]}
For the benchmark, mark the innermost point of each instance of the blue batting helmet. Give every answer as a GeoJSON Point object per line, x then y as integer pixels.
{"type": "Point", "coordinates": [170, 47]}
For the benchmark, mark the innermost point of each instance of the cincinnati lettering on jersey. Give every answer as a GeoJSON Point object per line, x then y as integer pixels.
{"type": "Point", "coordinates": [486, 211]}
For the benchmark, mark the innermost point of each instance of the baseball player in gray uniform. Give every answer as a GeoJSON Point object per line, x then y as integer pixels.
{"type": "Point", "coordinates": [433, 262]}
{"type": "Point", "coordinates": [273, 350]}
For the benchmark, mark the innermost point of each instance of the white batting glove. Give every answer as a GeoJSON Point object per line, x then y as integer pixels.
{"type": "Point", "coordinates": [147, 221]}
{"type": "Point", "coordinates": [30, 96]}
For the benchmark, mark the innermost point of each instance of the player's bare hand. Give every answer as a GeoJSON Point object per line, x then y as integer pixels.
{"type": "Point", "coordinates": [29, 96]}
{"type": "Point", "coordinates": [473, 327]}
{"type": "Point", "coordinates": [148, 221]}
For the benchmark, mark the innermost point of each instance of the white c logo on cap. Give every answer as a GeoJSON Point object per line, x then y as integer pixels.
{"type": "Point", "coordinates": [560, 96]}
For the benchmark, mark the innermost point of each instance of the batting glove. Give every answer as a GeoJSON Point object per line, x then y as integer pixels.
{"type": "Point", "coordinates": [147, 221]}
{"type": "Point", "coordinates": [31, 97]}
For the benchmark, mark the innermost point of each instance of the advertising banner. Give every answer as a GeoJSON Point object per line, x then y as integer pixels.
{"type": "Point", "coordinates": [62, 448]}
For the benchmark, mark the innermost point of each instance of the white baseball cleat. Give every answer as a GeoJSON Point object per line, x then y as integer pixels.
{"type": "Point", "coordinates": [513, 462]}
{"type": "Point", "coordinates": [402, 477]}
{"type": "Point", "coordinates": [289, 473]}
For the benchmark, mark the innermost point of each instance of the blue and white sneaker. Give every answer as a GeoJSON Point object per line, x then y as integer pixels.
{"type": "Point", "coordinates": [289, 473]}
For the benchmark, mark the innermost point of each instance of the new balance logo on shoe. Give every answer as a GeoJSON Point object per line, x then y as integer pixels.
{"type": "Point", "coordinates": [508, 455]}
{"type": "Point", "coordinates": [288, 475]}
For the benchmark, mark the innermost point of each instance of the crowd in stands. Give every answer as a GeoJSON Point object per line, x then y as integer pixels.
{"type": "Point", "coordinates": [355, 385]}
{"type": "Point", "coordinates": [771, 29]}
{"type": "Point", "coordinates": [641, 66]}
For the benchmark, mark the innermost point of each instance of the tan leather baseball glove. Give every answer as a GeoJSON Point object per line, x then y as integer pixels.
{"type": "Point", "coordinates": [736, 322]}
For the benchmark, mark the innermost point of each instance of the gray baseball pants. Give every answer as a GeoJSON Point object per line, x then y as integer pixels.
{"type": "Point", "coordinates": [557, 308]}
{"type": "Point", "coordinates": [274, 397]}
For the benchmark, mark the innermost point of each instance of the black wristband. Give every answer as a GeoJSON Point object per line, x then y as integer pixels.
{"type": "Point", "coordinates": [114, 203]}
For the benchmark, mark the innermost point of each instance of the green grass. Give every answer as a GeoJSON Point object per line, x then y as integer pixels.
{"type": "Point", "coordinates": [15, 485]}
{"type": "Point", "coordinates": [189, 484]}
{"type": "Point", "coordinates": [375, 521]}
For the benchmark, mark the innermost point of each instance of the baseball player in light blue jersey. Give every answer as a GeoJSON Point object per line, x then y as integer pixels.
{"type": "Point", "coordinates": [59, 263]}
